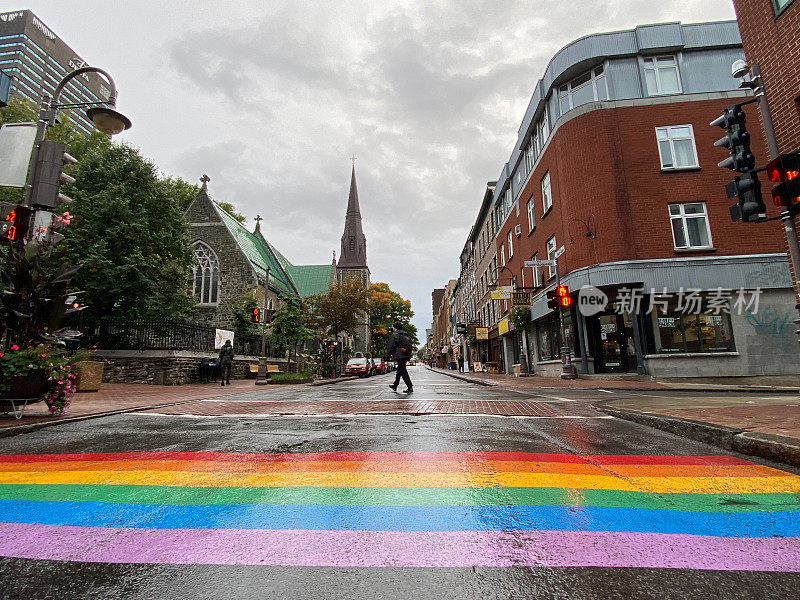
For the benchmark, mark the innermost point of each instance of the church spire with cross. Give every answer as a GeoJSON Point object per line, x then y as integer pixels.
{"type": "Point", "coordinates": [353, 253]}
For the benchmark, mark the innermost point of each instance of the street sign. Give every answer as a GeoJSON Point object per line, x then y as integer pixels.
{"type": "Point", "coordinates": [461, 328]}
{"type": "Point", "coordinates": [521, 299]}
{"type": "Point", "coordinates": [559, 252]}
{"type": "Point", "coordinates": [541, 262]}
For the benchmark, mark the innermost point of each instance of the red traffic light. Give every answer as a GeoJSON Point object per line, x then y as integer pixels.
{"type": "Point", "coordinates": [256, 315]}
{"type": "Point", "coordinates": [563, 296]}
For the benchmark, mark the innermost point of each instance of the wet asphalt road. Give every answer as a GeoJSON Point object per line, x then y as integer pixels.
{"type": "Point", "coordinates": [577, 505]}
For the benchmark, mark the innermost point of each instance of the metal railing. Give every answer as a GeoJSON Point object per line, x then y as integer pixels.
{"type": "Point", "coordinates": [166, 335]}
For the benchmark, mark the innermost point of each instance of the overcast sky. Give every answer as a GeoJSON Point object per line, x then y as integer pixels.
{"type": "Point", "coordinates": [270, 99]}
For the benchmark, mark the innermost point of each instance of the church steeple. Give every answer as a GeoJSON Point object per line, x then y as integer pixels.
{"type": "Point", "coordinates": [354, 244]}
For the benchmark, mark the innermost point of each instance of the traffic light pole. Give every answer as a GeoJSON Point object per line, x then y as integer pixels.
{"type": "Point", "coordinates": [787, 216]}
{"type": "Point", "coordinates": [567, 368]}
{"type": "Point", "coordinates": [262, 363]}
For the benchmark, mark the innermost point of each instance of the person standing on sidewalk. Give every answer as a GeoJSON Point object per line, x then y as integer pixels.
{"type": "Point", "coordinates": [226, 362]}
{"type": "Point", "coordinates": [399, 350]}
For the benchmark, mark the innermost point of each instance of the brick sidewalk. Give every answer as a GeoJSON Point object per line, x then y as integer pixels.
{"type": "Point", "coordinates": [771, 416]}
{"type": "Point", "coordinates": [122, 396]}
{"type": "Point", "coordinates": [509, 382]}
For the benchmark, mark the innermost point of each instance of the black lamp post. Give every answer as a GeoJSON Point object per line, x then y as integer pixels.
{"type": "Point", "coordinates": [101, 112]}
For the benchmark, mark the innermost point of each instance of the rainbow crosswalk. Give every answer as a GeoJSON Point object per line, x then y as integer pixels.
{"type": "Point", "coordinates": [406, 509]}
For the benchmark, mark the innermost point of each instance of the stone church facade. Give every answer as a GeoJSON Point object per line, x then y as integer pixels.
{"type": "Point", "coordinates": [231, 262]}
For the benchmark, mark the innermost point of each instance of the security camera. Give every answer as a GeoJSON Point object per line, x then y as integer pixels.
{"type": "Point", "coordinates": [740, 68]}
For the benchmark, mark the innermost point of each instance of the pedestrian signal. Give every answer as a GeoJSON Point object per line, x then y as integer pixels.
{"type": "Point", "coordinates": [785, 171]}
{"type": "Point", "coordinates": [256, 315]}
{"type": "Point", "coordinates": [563, 296]}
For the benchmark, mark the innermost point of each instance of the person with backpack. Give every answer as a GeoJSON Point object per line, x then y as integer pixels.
{"type": "Point", "coordinates": [399, 350]}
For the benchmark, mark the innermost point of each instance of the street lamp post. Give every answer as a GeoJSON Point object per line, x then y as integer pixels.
{"type": "Point", "coordinates": [101, 112]}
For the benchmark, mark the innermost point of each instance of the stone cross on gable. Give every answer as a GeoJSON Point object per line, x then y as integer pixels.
{"type": "Point", "coordinates": [205, 179]}
{"type": "Point", "coordinates": [258, 219]}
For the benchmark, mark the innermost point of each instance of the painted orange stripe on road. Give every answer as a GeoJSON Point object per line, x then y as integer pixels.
{"type": "Point", "coordinates": [401, 466]}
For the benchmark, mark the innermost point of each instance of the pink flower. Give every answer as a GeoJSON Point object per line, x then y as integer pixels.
{"type": "Point", "coordinates": [30, 366]}
{"type": "Point", "coordinates": [43, 355]}
{"type": "Point", "coordinates": [15, 347]}
{"type": "Point", "coordinates": [1, 355]}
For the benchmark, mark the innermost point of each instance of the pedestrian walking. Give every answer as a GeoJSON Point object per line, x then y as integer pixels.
{"type": "Point", "coordinates": [483, 361]}
{"type": "Point", "coordinates": [399, 350]}
{"type": "Point", "coordinates": [226, 362]}
{"type": "Point", "coordinates": [460, 364]}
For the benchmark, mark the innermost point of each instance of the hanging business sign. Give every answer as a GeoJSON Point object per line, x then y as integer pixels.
{"type": "Point", "coordinates": [502, 326]}
{"type": "Point", "coordinates": [521, 299]}
{"type": "Point", "coordinates": [481, 333]}
{"type": "Point", "coordinates": [16, 145]}
{"type": "Point", "coordinates": [502, 292]}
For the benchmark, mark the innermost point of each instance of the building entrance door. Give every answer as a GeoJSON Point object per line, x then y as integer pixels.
{"type": "Point", "coordinates": [613, 341]}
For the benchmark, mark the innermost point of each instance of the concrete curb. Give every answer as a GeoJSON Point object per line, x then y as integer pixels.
{"type": "Point", "coordinates": [771, 447]}
{"type": "Point", "coordinates": [463, 378]}
{"type": "Point", "coordinates": [333, 381]}
{"type": "Point", "coordinates": [30, 427]}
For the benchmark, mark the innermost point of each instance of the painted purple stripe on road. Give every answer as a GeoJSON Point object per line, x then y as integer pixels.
{"type": "Point", "coordinates": [399, 549]}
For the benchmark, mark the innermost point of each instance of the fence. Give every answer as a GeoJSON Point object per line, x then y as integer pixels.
{"type": "Point", "coordinates": [166, 335]}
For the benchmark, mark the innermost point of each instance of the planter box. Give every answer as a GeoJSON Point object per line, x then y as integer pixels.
{"type": "Point", "coordinates": [89, 376]}
{"type": "Point", "coordinates": [30, 386]}
{"type": "Point", "coordinates": [290, 381]}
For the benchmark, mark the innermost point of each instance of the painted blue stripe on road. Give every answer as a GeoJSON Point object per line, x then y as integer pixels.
{"type": "Point", "coordinates": [401, 518]}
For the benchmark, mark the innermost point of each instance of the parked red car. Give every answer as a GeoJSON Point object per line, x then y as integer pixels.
{"type": "Point", "coordinates": [381, 366]}
{"type": "Point", "coordinates": [358, 366]}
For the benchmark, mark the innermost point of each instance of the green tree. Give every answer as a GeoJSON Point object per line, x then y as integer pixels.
{"type": "Point", "coordinates": [338, 310]}
{"type": "Point", "coordinates": [130, 237]}
{"type": "Point", "coordinates": [288, 330]}
{"type": "Point", "coordinates": [385, 308]}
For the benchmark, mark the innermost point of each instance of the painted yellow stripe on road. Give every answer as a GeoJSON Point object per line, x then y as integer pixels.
{"type": "Point", "coordinates": [337, 479]}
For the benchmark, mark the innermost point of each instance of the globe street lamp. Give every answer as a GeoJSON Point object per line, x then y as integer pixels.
{"type": "Point", "coordinates": [101, 112]}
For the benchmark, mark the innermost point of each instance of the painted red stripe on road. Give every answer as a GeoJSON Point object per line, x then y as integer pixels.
{"type": "Point", "coordinates": [603, 459]}
{"type": "Point", "coordinates": [399, 549]}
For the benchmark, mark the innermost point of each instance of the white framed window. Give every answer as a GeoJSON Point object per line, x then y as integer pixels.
{"type": "Point", "coordinates": [544, 128]}
{"type": "Point", "coordinates": [531, 215]}
{"type": "Point", "coordinates": [551, 254]}
{"type": "Point", "coordinates": [676, 147]}
{"type": "Point", "coordinates": [510, 245]}
{"type": "Point", "coordinates": [547, 196]}
{"type": "Point", "coordinates": [530, 156]}
{"type": "Point", "coordinates": [661, 75]}
{"type": "Point", "coordinates": [690, 227]}
{"type": "Point", "coordinates": [206, 274]}
{"type": "Point", "coordinates": [502, 255]}
{"type": "Point", "coordinates": [589, 87]}
{"type": "Point", "coordinates": [518, 179]}
{"type": "Point", "coordinates": [537, 274]}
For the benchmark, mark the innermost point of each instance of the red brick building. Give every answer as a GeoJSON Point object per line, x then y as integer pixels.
{"type": "Point", "coordinates": [615, 162]}
{"type": "Point", "coordinates": [770, 31]}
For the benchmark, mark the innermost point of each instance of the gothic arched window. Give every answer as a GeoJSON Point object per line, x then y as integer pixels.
{"type": "Point", "coordinates": [206, 274]}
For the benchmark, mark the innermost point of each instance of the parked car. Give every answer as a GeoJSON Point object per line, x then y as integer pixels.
{"type": "Point", "coordinates": [392, 366]}
{"type": "Point", "coordinates": [358, 366]}
{"type": "Point", "coordinates": [381, 366]}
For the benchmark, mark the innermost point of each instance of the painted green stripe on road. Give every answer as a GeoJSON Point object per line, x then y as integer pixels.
{"type": "Point", "coordinates": [404, 496]}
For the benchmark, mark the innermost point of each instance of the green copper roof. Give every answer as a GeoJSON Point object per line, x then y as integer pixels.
{"type": "Point", "coordinates": [310, 279]}
{"type": "Point", "coordinates": [259, 253]}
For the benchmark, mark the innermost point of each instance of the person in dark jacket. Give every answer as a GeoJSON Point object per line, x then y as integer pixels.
{"type": "Point", "coordinates": [226, 362]}
{"type": "Point", "coordinates": [399, 350]}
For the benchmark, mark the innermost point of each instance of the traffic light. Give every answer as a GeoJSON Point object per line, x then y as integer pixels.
{"type": "Point", "coordinates": [746, 187]}
{"type": "Point", "coordinates": [256, 315]}
{"type": "Point", "coordinates": [49, 175]}
{"type": "Point", "coordinates": [785, 171]}
{"type": "Point", "coordinates": [270, 315]}
{"type": "Point", "coordinates": [559, 298]}
{"type": "Point", "coordinates": [737, 140]}
{"type": "Point", "coordinates": [751, 207]}
{"type": "Point", "coordinates": [14, 222]}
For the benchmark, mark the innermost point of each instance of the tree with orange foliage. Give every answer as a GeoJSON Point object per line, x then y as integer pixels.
{"type": "Point", "coordinates": [386, 307]}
